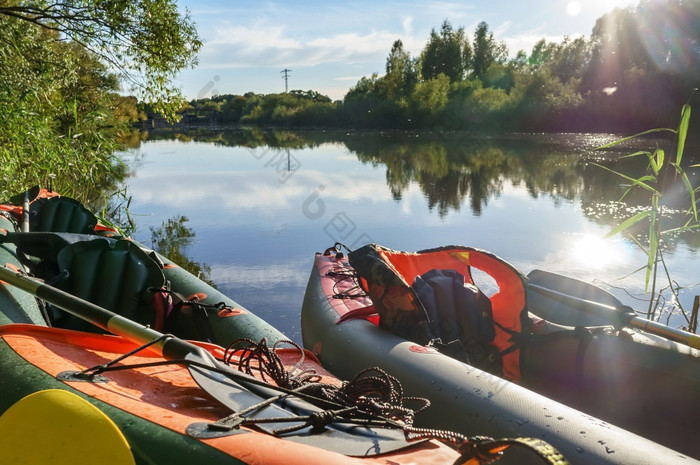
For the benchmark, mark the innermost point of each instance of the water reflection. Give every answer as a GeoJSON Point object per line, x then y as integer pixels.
{"type": "Point", "coordinates": [455, 169]}
{"type": "Point", "coordinates": [597, 253]}
{"type": "Point", "coordinates": [452, 169]}
{"type": "Point", "coordinates": [171, 240]}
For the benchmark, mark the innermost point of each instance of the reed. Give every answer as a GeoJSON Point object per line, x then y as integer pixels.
{"type": "Point", "coordinates": [662, 172]}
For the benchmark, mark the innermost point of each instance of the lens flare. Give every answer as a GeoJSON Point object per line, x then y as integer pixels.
{"type": "Point", "coordinates": [596, 252]}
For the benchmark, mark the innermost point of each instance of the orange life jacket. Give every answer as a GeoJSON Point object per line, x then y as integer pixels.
{"type": "Point", "coordinates": [389, 278]}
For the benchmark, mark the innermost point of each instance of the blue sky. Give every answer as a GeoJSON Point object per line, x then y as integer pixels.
{"type": "Point", "coordinates": [330, 45]}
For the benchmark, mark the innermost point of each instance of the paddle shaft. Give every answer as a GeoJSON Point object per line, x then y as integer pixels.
{"type": "Point", "coordinates": [621, 316]}
{"type": "Point", "coordinates": [170, 348]}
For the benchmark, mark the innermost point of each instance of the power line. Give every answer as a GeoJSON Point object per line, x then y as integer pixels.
{"type": "Point", "coordinates": [286, 72]}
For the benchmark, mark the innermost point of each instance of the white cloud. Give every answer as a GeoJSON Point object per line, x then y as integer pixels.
{"type": "Point", "coordinates": [407, 23]}
{"type": "Point", "coordinates": [260, 189]}
{"type": "Point", "coordinates": [348, 78]}
{"type": "Point", "coordinates": [452, 10]}
{"type": "Point", "coordinates": [274, 46]}
{"type": "Point", "coordinates": [501, 29]}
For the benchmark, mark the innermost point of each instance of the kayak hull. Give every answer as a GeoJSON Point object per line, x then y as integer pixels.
{"type": "Point", "coordinates": [16, 306]}
{"type": "Point", "coordinates": [463, 398]}
{"type": "Point", "coordinates": [227, 324]}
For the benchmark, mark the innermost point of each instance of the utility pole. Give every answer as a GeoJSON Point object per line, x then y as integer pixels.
{"type": "Point", "coordinates": [286, 72]}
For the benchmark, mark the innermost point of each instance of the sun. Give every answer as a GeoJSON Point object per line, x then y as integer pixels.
{"type": "Point", "coordinates": [573, 8]}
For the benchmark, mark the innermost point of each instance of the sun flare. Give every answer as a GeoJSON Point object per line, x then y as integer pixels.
{"type": "Point", "coordinates": [596, 252]}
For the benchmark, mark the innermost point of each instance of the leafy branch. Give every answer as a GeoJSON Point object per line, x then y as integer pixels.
{"type": "Point", "coordinates": [146, 41]}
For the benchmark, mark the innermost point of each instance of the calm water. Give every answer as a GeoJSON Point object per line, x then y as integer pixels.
{"type": "Point", "coordinates": [261, 204]}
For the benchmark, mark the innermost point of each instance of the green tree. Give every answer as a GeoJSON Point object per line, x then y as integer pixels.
{"type": "Point", "coordinates": [232, 108]}
{"type": "Point", "coordinates": [56, 99]}
{"type": "Point", "coordinates": [429, 99]}
{"type": "Point", "coordinates": [486, 51]}
{"type": "Point", "coordinates": [401, 75]}
{"type": "Point", "coordinates": [566, 60]}
{"type": "Point", "coordinates": [448, 53]}
{"type": "Point", "coordinates": [147, 41]}
{"type": "Point", "coordinates": [310, 96]}
{"type": "Point", "coordinates": [366, 103]}
{"type": "Point", "coordinates": [572, 57]}
{"type": "Point", "coordinates": [126, 110]}
{"type": "Point", "coordinates": [645, 61]}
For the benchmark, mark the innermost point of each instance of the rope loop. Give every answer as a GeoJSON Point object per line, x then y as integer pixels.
{"type": "Point", "coordinates": [260, 357]}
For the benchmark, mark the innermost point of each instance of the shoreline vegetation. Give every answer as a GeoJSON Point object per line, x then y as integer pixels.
{"type": "Point", "coordinates": [64, 113]}
{"type": "Point", "coordinates": [63, 65]}
{"type": "Point", "coordinates": [638, 67]}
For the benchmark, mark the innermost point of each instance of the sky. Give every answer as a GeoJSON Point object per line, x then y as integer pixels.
{"type": "Point", "coordinates": [329, 45]}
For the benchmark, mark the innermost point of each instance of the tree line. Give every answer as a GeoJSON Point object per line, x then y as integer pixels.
{"type": "Point", "coordinates": [637, 68]}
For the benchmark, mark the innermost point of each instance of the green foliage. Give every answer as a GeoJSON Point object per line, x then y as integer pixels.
{"type": "Point", "coordinates": [648, 55]}
{"type": "Point", "coordinates": [486, 51]}
{"type": "Point", "coordinates": [148, 41]}
{"type": "Point", "coordinates": [401, 73]}
{"type": "Point", "coordinates": [125, 110]}
{"type": "Point", "coordinates": [661, 173]}
{"type": "Point", "coordinates": [567, 60]}
{"type": "Point", "coordinates": [446, 53]}
{"type": "Point", "coordinates": [469, 86]}
{"type": "Point", "coordinates": [636, 69]}
{"type": "Point", "coordinates": [60, 112]}
{"type": "Point", "coordinates": [232, 109]}
{"type": "Point", "coordinates": [430, 98]}
{"type": "Point", "coordinates": [56, 101]}
{"type": "Point", "coordinates": [294, 108]}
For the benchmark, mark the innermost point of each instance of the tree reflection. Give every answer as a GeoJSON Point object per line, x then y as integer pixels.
{"type": "Point", "coordinates": [251, 137]}
{"type": "Point", "coordinates": [171, 239]}
{"type": "Point", "coordinates": [453, 168]}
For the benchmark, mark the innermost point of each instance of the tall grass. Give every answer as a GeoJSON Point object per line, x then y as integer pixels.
{"type": "Point", "coordinates": [662, 172]}
{"type": "Point", "coordinates": [34, 152]}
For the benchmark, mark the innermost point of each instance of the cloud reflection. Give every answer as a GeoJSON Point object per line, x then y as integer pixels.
{"type": "Point", "coordinates": [253, 190]}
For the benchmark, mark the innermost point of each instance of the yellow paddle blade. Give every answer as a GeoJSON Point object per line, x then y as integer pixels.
{"type": "Point", "coordinates": [58, 427]}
